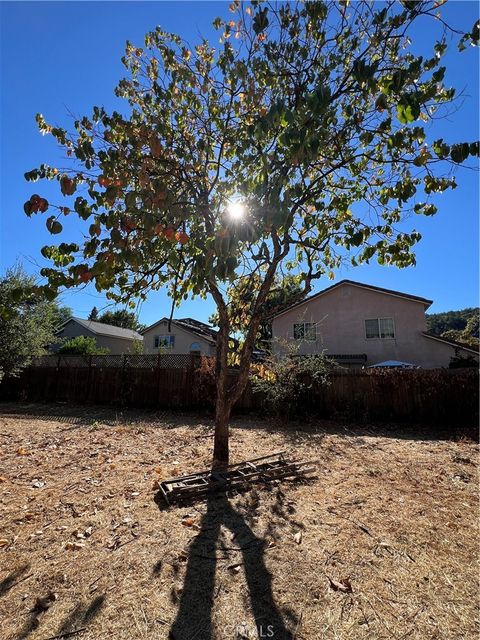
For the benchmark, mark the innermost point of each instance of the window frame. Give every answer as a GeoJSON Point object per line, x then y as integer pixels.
{"type": "Point", "coordinates": [157, 341]}
{"type": "Point", "coordinates": [305, 331]}
{"type": "Point", "coordinates": [195, 352]}
{"type": "Point", "coordinates": [379, 329]}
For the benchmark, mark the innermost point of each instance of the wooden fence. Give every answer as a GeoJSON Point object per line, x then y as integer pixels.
{"type": "Point", "coordinates": [429, 396]}
{"type": "Point", "coordinates": [439, 397]}
{"type": "Point", "coordinates": [130, 380]}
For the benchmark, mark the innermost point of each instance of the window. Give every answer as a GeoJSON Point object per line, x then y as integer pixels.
{"type": "Point", "coordinates": [386, 328]}
{"type": "Point", "coordinates": [379, 328]}
{"type": "Point", "coordinates": [195, 348]}
{"type": "Point", "coordinates": [305, 331]}
{"type": "Point", "coordinates": [164, 342]}
{"type": "Point", "coordinates": [372, 329]}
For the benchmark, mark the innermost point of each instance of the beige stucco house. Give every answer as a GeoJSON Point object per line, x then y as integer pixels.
{"type": "Point", "coordinates": [107, 336]}
{"type": "Point", "coordinates": [181, 336]}
{"type": "Point", "coordinates": [362, 325]}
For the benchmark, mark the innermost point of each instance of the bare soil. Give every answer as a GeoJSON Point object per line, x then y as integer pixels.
{"type": "Point", "coordinates": [382, 544]}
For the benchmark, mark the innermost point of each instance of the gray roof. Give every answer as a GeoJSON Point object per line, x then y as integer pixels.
{"type": "Point", "coordinates": [198, 328]}
{"type": "Point", "coordinates": [103, 329]}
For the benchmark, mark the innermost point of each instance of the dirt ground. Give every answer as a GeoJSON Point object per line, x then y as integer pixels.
{"type": "Point", "coordinates": [382, 544]}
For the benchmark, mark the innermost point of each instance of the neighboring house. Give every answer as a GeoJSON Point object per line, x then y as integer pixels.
{"type": "Point", "coordinates": [358, 324]}
{"type": "Point", "coordinates": [185, 336]}
{"type": "Point", "coordinates": [107, 336]}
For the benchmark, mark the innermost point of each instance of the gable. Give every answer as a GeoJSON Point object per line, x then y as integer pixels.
{"type": "Point", "coordinates": [343, 288]}
{"type": "Point", "coordinates": [71, 329]}
{"type": "Point", "coordinates": [198, 330]}
{"type": "Point", "coordinates": [341, 315]}
{"type": "Point", "coordinates": [183, 335]}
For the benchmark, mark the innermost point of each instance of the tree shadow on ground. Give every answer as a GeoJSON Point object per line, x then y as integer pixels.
{"type": "Point", "coordinates": [82, 614]}
{"type": "Point", "coordinates": [194, 616]}
{"type": "Point", "coordinates": [17, 575]}
{"type": "Point", "coordinates": [79, 416]}
{"type": "Point", "coordinates": [88, 415]}
{"type": "Point", "coordinates": [302, 430]}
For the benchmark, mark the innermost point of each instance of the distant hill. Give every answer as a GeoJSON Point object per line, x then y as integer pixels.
{"type": "Point", "coordinates": [438, 323]}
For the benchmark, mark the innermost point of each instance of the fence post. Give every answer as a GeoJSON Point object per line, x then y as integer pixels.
{"type": "Point", "coordinates": [89, 379]}
{"type": "Point", "coordinates": [123, 386]}
{"type": "Point", "coordinates": [59, 359]}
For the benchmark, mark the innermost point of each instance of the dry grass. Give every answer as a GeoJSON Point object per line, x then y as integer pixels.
{"type": "Point", "coordinates": [391, 515]}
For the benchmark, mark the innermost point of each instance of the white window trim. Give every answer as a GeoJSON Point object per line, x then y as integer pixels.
{"type": "Point", "coordinates": [379, 337]}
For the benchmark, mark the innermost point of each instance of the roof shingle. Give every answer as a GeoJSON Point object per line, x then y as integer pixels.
{"type": "Point", "coordinates": [102, 329]}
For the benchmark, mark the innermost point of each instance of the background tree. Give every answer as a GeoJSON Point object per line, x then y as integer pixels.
{"type": "Point", "coordinates": [121, 318]}
{"type": "Point", "coordinates": [27, 321]}
{"type": "Point", "coordinates": [137, 347]}
{"type": "Point", "coordinates": [439, 323]}
{"type": "Point", "coordinates": [240, 296]}
{"type": "Point", "coordinates": [82, 346]}
{"type": "Point", "coordinates": [300, 140]}
{"type": "Point", "coordinates": [93, 315]}
{"type": "Point", "coordinates": [62, 314]}
{"type": "Point", "coordinates": [469, 335]}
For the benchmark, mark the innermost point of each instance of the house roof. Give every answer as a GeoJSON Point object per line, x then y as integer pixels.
{"type": "Point", "coordinates": [452, 343]}
{"type": "Point", "coordinates": [361, 285]}
{"type": "Point", "coordinates": [102, 329]}
{"type": "Point", "coordinates": [198, 328]}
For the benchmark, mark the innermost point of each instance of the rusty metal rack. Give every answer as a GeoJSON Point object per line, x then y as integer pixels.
{"type": "Point", "coordinates": [236, 476]}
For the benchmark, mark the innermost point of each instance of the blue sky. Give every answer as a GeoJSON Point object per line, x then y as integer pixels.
{"type": "Point", "coordinates": [61, 58]}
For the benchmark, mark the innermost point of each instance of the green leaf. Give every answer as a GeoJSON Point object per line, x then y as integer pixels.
{"type": "Point", "coordinates": [441, 149]}
{"type": "Point", "coordinates": [401, 115]}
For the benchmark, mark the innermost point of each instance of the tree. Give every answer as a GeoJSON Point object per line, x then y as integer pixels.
{"type": "Point", "coordinates": [93, 314]}
{"type": "Point", "coordinates": [27, 321]}
{"type": "Point", "coordinates": [240, 296]}
{"type": "Point", "coordinates": [300, 141]}
{"type": "Point", "coordinates": [469, 335]}
{"type": "Point", "coordinates": [62, 314]}
{"type": "Point", "coordinates": [439, 323]}
{"type": "Point", "coordinates": [82, 346]}
{"type": "Point", "coordinates": [121, 318]}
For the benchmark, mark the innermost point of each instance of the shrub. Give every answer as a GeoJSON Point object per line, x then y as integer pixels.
{"type": "Point", "coordinates": [204, 388]}
{"type": "Point", "coordinates": [285, 380]}
{"type": "Point", "coordinates": [82, 346]}
{"type": "Point", "coordinates": [463, 362]}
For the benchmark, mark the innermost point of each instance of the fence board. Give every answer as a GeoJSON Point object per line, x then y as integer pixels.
{"type": "Point", "coordinates": [423, 396]}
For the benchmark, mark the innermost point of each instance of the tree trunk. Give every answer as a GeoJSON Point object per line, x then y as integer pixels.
{"type": "Point", "coordinates": [224, 404]}
{"type": "Point", "coordinates": [226, 397]}
{"type": "Point", "coordinates": [222, 418]}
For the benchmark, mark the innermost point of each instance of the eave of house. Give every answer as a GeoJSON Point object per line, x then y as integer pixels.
{"type": "Point", "coordinates": [451, 343]}
{"type": "Point", "coordinates": [197, 334]}
{"type": "Point", "coordinates": [397, 294]}
{"type": "Point", "coordinates": [87, 324]}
